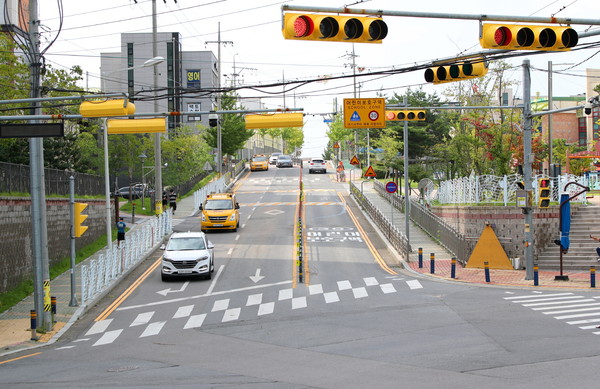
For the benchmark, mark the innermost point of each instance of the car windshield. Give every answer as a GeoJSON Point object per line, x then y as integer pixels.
{"type": "Point", "coordinates": [259, 159]}
{"type": "Point", "coordinates": [179, 244]}
{"type": "Point", "coordinates": [284, 158]}
{"type": "Point", "coordinates": [218, 204]}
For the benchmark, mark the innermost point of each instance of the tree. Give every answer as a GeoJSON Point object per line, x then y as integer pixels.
{"type": "Point", "coordinates": [233, 128]}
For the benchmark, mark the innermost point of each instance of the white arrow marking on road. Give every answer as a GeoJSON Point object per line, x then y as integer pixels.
{"type": "Point", "coordinates": [165, 292]}
{"type": "Point", "coordinates": [257, 277]}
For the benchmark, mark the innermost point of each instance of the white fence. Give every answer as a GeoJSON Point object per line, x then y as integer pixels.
{"type": "Point", "coordinates": [99, 274]}
{"type": "Point", "coordinates": [490, 189]}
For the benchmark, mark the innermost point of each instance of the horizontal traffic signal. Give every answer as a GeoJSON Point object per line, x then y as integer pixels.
{"type": "Point", "coordinates": [136, 126]}
{"type": "Point", "coordinates": [276, 120]}
{"type": "Point", "coordinates": [456, 72]}
{"type": "Point", "coordinates": [544, 192]}
{"type": "Point", "coordinates": [104, 108]}
{"type": "Point", "coordinates": [79, 228]}
{"type": "Point", "coordinates": [405, 115]}
{"type": "Point", "coordinates": [334, 28]}
{"type": "Point", "coordinates": [527, 37]}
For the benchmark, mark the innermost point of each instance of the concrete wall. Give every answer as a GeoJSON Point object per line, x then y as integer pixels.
{"type": "Point", "coordinates": [16, 256]}
{"type": "Point", "coordinates": [508, 224]}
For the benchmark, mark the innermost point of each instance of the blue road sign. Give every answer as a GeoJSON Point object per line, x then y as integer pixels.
{"type": "Point", "coordinates": [391, 187]}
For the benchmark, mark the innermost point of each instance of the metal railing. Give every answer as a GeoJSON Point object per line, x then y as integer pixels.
{"type": "Point", "coordinates": [391, 232]}
{"type": "Point", "coordinates": [432, 225]}
{"type": "Point", "coordinates": [101, 272]}
{"type": "Point", "coordinates": [223, 184]}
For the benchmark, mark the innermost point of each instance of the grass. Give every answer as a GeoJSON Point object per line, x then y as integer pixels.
{"type": "Point", "coordinates": [128, 207]}
{"type": "Point", "coordinates": [25, 288]}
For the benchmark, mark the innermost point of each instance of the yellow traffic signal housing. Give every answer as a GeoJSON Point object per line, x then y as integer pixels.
{"type": "Point", "coordinates": [527, 37]}
{"type": "Point", "coordinates": [334, 28]}
{"type": "Point", "coordinates": [406, 115]}
{"type": "Point", "coordinates": [104, 108]}
{"type": "Point", "coordinates": [136, 126]}
{"type": "Point", "coordinates": [79, 229]}
{"type": "Point", "coordinates": [456, 72]}
{"type": "Point", "coordinates": [544, 192]}
{"type": "Point", "coordinates": [276, 120]}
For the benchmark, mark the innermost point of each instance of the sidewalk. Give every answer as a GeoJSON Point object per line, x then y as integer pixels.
{"type": "Point", "coordinates": [443, 259]}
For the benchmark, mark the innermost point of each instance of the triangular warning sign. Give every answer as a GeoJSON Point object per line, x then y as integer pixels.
{"type": "Point", "coordinates": [354, 161]}
{"type": "Point", "coordinates": [488, 249]}
{"type": "Point", "coordinates": [370, 172]}
{"type": "Point", "coordinates": [355, 117]}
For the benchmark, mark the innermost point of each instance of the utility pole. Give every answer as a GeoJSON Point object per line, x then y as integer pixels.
{"type": "Point", "coordinates": [219, 143]}
{"type": "Point", "coordinates": [353, 66]}
{"type": "Point", "coordinates": [157, 136]}
{"type": "Point", "coordinates": [527, 169]}
{"type": "Point", "coordinates": [550, 103]}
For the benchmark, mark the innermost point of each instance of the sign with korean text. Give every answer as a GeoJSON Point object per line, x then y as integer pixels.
{"type": "Point", "coordinates": [193, 78]}
{"type": "Point", "coordinates": [364, 113]}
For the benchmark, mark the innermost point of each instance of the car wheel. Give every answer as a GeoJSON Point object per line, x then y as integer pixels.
{"type": "Point", "coordinates": [164, 277]}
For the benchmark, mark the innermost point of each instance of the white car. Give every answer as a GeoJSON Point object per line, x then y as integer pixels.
{"type": "Point", "coordinates": [273, 158]}
{"type": "Point", "coordinates": [317, 165]}
{"type": "Point", "coordinates": [187, 254]}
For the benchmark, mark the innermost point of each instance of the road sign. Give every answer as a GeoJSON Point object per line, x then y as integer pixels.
{"type": "Point", "coordinates": [370, 172]}
{"type": "Point", "coordinates": [354, 161]}
{"type": "Point", "coordinates": [32, 130]}
{"type": "Point", "coordinates": [364, 113]}
{"type": "Point", "coordinates": [391, 187]}
{"type": "Point", "coordinates": [336, 145]}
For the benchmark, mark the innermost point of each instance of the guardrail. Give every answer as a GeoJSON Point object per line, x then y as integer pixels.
{"type": "Point", "coordinates": [431, 224]}
{"type": "Point", "coordinates": [101, 272]}
{"type": "Point", "coordinates": [222, 184]}
{"type": "Point", "coordinates": [391, 232]}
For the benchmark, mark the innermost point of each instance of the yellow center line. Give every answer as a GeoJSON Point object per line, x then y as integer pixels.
{"type": "Point", "coordinates": [370, 245]}
{"type": "Point", "coordinates": [111, 308]}
{"type": "Point", "coordinates": [16, 359]}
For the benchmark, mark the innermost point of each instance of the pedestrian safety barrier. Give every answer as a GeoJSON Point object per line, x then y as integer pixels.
{"type": "Point", "coordinates": [101, 272]}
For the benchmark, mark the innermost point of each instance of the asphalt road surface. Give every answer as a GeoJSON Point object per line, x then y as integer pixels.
{"type": "Point", "coordinates": [352, 322]}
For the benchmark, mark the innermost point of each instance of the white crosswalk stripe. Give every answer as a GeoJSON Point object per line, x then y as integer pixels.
{"type": "Point", "coordinates": [220, 305]}
{"type": "Point", "coordinates": [231, 315]}
{"type": "Point", "coordinates": [414, 284]}
{"type": "Point", "coordinates": [331, 297]}
{"type": "Point", "coordinates": [299, 302]}
{"type": "Point", "coordinates": [142, 318]}
{"type": "Point", "coordinates": [99, 327]}
{"type": "Point", "coordinates": [266, 309]}
{"type": "Point", "coordinates": [254, 299]}
{"type": "Point", "coordinates": [153, 329]}
{"type": "Point", "coordinates": [195, 321]}
{"type": "Point", "coordinates": [184, 311]}
{"type": "Point", "coordinates": [359, 292]}
{"type": "Point", "coordinates": [108, 337]}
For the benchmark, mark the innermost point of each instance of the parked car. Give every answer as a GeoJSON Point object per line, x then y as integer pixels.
{"type": "Point", "coordinates": [284, 160]}
{"type": "Point", "coordinates": [317, 165]}
{"type": "Point", "coordinates": [273, 158]}
{"type": "Point", "coordinates": [187, 254]}
{"type": "Point", "coordinates": [136, 191]}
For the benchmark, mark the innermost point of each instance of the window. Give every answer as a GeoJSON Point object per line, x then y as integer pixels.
{"type": "Point", "coordinates": [194, 107]}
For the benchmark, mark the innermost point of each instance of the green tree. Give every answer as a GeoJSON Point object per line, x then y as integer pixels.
{"type": "Point", "coordinates": [233, 128]}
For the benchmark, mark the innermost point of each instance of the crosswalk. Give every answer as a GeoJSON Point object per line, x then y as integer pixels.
{"type": "Point", "coordinates": [252, 306]}
{"type": "Point", "coordinates": [574, 309]}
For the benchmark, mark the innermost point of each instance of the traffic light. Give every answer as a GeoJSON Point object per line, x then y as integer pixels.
{"type": "Point", "coordinates": [275, 120]}
{"type": "Point", "coordinates": [79, 229]}
{"type": "Point", "coordinates": [103, 108]}
{"type": "Point", "coordinates": [136, 126]}
{"type": "Point", "coordinates": [456, 72]}
{"type": "Point", "coordinates": [523, 37]}
{"type": "Point", "coordinates": [544, 192]}
{"type": "Point", "coordinates": [334, 28]}
{"type": "Point", "coordinates": [406, 115]}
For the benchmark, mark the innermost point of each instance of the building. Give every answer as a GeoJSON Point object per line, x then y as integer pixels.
{"type": "Point", "coordinates": [185, 80]}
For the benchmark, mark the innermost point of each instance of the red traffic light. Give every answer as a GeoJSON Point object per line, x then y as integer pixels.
{"type": "Point", "coordinates": [333, 28]}
{"type": "Point", "coordinates": [303, 26]}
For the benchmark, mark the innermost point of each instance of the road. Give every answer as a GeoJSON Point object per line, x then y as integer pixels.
{"type": "Point", "coordinates": [353, 322]}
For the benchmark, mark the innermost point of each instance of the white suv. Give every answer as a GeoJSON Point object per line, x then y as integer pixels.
{"type": "Point", "coordinates": [273, 158]}
{"type": "Point", "coordinates": [187, 254]}
{"type": "Point", "coordinates": [317, 165]}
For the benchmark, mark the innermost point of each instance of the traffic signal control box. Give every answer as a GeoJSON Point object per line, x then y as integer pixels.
{"type": "Point", "coordinates": [79, 229]}
{"type": "Point", "coordinates": [544, 192]}
{"type": "Point", "coordinates": [333, 28]}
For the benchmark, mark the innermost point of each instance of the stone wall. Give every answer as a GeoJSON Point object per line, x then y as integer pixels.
{"type": "Point", "coordinates": [16, 256]}
{"type": "Point", "coordinates": [508, 224]}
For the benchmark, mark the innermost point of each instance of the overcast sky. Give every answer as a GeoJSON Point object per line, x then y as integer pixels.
{"type": "Point", "coordinates": [262, 56]}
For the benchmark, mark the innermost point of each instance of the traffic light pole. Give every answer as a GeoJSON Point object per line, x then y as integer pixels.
{"type": "Point", "coordinates": [527, 170]}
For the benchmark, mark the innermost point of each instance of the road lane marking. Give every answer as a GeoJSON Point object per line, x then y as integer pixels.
{"type": "Point", "coordinates": [141, 319]}
{"type": "Point", "coordinates": [153, 329]}
{"type": "Point", "coordinates": [108, 337]}
{"type": "Point", "coordinates": [370, 281]}
{"type": "Point", "coordinates": [214, 281]}
{"type": "Point", "coordinates": [231, 315]}
{"type": "Point", "coordinates": [195, 321]}
{"type": "Point", "coordinates": [254, 299]}
{"type": "Point", "coordinates": [331, 297]}
{"type": "Point", "coordinates": [539, 296]}
{"type": "Point", "coordinates": [315, 289]}
{"type": "Point", "coordinates": [266, 309]}
{"type": "Point", "coordinates": [220, 305]}
{"type": "Point", "coordinates": [99, 327]}
{"type": "Point", "coordinates": [299, 302]}
{"type": "Point", "coordinates": [22, 357]}
{"type": "Point", "coordinates": [414, 284]}
{"type": "Point", "coordinates": [359, 292]}
{"type": "Point", "coordinates": [344, 285]}
{"type": "Point", "coordinates": [184, 311]}
{"type": "Point", "coordinates": [387, 288]}
{"type": "Point", "coordinates": [285, 294]}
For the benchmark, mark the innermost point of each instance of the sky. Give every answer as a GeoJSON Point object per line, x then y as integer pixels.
{"type": "Point", "coordinates": [258, 53]}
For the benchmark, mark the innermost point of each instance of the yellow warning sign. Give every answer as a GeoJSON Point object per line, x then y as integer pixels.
{"type": "Point", "coordinates": [336, 145]}
{"type": "Point", "coordinates": [370, 172]}
{"type": "Point", "coordinates": [364, 113]}
{"type": "Point", "coordinates": [354, 161]}
{"type": "Point", "coordinates": [488, 249]}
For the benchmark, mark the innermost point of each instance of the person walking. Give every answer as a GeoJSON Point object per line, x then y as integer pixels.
{"type": "Point", "coordinates": [165, 200]}
{"type": "Point", "coordinates": [597, 239]}
{"type": "Point", "coordinates": [120, 231]}
{"type": "Point", "coordinates": [173, 201]}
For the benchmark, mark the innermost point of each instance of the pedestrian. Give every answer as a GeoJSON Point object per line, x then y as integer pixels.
{"type": "Point", "coordinates": [597, 239]}
{"type": "Point", "coordinates": [165, 200]}
{"type": "Point", "coordinates": [120, 231]}
{"type": "Point", "coordinates": [173, 200]}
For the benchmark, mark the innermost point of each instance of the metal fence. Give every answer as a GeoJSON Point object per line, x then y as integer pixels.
{"type": "Point", "coordinates": [431, 224]}
{"type": "Point", "coordinates": [500, 190]}
{"type": "Point", "coordinates": [16, 179]}
{"type": "Point", "coordinates": [101, 272]}
{"type": "Point", "coordinates": [391, 232]}
{"type": "Point", "coordinates": [220, 185]}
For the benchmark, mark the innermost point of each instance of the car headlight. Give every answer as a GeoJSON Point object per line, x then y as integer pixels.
{"type": "Point", "coordinates": [232, 217]}
{"type": "Point", "coordinates": [203, 258]}
{"type": "Point", "coordinates": [203, 217]}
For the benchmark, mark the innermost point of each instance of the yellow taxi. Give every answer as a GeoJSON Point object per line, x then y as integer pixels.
{"type": "Point", "coordinates": [259, 162]}
{"type": "Point", "coordinates": [220, 212]}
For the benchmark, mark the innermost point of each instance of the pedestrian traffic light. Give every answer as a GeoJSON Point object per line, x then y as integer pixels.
{"type": "Point", "coordinates": [104, 108]}
{"type": "Point", "coordinates": [79, 229]}
{"type": "Point", "coordinates": [524, 37]}
{"type": "Point", "coordinates": [334, 28]}
{"type": "Point", "coordinates": [456, 72]}
{"type": "Point", "coordinates": [406, 115]}
{"type": "Point", "coordinates": [544, 192]}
